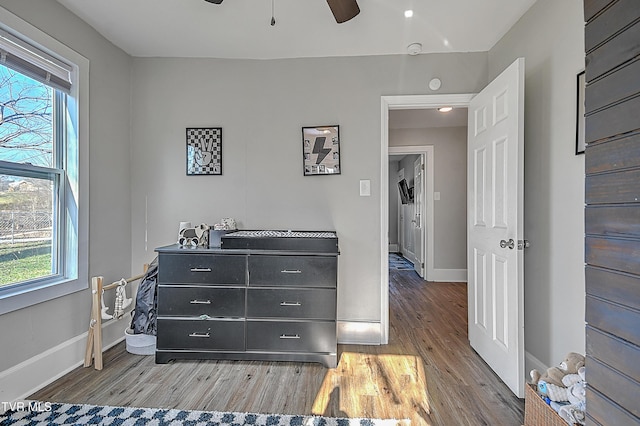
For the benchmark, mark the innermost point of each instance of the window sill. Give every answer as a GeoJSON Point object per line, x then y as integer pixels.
{"type": "Point", "coordinates": [29, 295]}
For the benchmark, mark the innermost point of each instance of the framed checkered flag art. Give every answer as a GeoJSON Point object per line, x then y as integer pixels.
{"type": "Point", "coordinates": [204, 151]}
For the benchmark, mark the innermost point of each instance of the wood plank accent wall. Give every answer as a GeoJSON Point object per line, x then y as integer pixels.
{"type": "Point", "coordinates": [612, 213]}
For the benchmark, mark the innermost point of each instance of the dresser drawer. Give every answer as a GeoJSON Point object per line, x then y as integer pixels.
{"type": "Point", "coordinates": [202, 269]}
{"type": "Point", "coordinates": [291, 336]}
{"type": "Point", "coordinates": [296, 271]}
{"type": "Point", "coordinates": [190, 301]}
{"type": "Point", "coordinates": [200, 334]}
{"type": "Point", "coordinates": [313, 303]}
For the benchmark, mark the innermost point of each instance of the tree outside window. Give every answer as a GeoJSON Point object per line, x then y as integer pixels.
{"type": "Point", "coordinates": [29, 179]}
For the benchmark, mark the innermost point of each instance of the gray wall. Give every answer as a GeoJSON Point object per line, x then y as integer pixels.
{"type": "Point", "coordinates": [551, 38]}
{"type": "Point", "coordinates": [33, 330]}
{"type": "Point", "coordinates": [450, 179]}
{"type": "Point", "coordinates": [261, 106]}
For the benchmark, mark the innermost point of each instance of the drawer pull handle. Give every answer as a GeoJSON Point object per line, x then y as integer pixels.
{"type": "Point", "coordinates": [289, 336]}
{"type": "Point", "coordinates": [200, 269]}
{"type": "Point", "coordinates": [200, 302]}
{"type": "Point", "coordinates": [291, 271]}
{"type": "Point", "coordinates": [290, 304]}
{"type": "Point", "coordinates": [203, 335]}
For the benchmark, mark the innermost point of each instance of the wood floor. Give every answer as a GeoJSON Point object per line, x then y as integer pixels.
{"type": "Point", "coordinates": [427, 373]}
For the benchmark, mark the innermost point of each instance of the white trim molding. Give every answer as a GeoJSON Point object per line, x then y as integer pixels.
{"type": "Point", "coordinates": [358, 332]}
{"type": "Point", "coordinates": [387, 103]}
{"type": "Point", "coordinates": [31, 375]}
{"type": "Point", "coordinates": [531, 362]}
{"type": "Point", "coordinates": [76, 273]}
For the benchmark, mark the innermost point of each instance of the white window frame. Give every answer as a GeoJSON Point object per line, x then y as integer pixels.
{"type": "Point", "coordinates": [74, 189]}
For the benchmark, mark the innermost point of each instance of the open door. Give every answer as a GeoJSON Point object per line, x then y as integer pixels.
{"type": "Point", "coordinates": [495, 225]}
{"type": "Point", "coordinates": [418, 217]}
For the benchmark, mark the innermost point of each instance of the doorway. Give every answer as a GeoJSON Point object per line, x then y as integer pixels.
{"type": "Point", "coordinates": [413, 102]}
{"type": "Point", "coordinates": [495, 153]}
{"type": "Point", "coordinates": [415, 219]}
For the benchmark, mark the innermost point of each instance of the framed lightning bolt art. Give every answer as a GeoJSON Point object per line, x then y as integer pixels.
{"type": "Point", "coordinates": [204, 151]}
{"type": "Point", "coordinates": [321, 150]}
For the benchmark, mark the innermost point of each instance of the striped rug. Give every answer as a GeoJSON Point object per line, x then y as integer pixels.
{"type": "Point", "coordinates": [33, 413]}
{"type": "Point", "coordinates": [396, 261]}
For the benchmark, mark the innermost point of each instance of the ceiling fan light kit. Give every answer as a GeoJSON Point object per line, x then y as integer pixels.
{"type": "Point", "coordinates": [343, 10]}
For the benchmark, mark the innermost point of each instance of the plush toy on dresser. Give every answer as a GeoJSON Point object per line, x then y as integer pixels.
{"type": "Point", "coordinates": [193, 237]}
{"type": "Point", "coordinates": [563, 387]}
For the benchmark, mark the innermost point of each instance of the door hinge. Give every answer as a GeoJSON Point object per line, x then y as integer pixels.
{"type": "Point", "coordinates": [523, 244]}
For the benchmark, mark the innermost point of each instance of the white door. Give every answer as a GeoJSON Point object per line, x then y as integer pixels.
{"type": "Point", "coordinates": [418, 219]}
{"type": "Point", "coordinates": [401, 224]}
{"type": "Point", "coordinates": [495, 225]}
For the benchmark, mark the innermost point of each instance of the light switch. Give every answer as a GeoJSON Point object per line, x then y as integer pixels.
{"type": "Point", "coordinates": [365, 188]}
{"type": "Point", "coordinates": [436, 196]}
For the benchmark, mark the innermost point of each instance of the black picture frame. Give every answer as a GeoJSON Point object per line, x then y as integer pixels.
{"type": "Point", "coordinates": [204, 151]}
{"type": "Point", "coordinates": [321, 150]}
{"type": "Point", "coordinates": [580, 110]}
{"type": "Point", "coordinates": [405, 191]}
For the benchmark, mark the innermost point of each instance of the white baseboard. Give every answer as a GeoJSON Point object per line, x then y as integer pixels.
{"type": "Point", "coordinates": [22, 380]}
{"type": "Point", "coordinates": [449, 275]}
{"type": "Point", "coordinates": [394, 248]}
{"type": "Point", "coordinates": [359, 332]}
{"type": "Point", "coordinates": [531, 362]}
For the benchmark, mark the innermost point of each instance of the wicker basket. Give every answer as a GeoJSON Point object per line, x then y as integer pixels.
{"type": "Point", "coordinates": [537, 412]}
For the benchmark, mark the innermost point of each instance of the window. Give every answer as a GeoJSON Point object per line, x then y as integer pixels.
{"type": "Point", "coordinates": [42, 211]}
{"type": "Point", "coordinates": [30, 178]}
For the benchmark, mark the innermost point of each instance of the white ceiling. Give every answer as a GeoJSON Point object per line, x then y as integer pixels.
{"type": "Point", "coordinates": [304, 28]}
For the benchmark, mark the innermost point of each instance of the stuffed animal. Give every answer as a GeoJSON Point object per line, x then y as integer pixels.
{"type": "Point", "coordinates": [553, 392]}
{"type": "Point", "coordinates": [572, 363]}
{"type": "Point", "coordinates": [553, 376]}
{"type": "Point", "coordinates": [574, 411]}
{"type": "Point", "coordinates": [194, 237]}
{"type": "Point", "coordinates": [551, 384]}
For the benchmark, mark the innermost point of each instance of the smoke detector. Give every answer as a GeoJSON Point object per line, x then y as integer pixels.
{"type": "Point", "coordinates": [414, 48]}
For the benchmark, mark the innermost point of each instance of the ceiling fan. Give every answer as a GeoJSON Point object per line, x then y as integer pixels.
{"type": "Point", "coordinates": [343, 10]}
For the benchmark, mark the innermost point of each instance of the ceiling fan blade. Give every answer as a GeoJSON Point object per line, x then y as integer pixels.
{"type": "Point", "coordinates": [343, 10]}
{"type": "Point", "coordinates": [214, 1]}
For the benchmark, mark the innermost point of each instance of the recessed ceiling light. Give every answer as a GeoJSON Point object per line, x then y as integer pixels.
{"type": "Point", "coordinates": [408, 13]}
{"type": "Point", "coordinates": [445, 109]}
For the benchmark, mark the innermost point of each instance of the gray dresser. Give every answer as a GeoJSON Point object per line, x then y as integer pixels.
{"type": "Point", "coordinates": [264, 295]}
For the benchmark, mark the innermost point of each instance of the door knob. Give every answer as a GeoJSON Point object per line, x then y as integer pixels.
{"type": "Point", "coordinates": [511, 244]}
